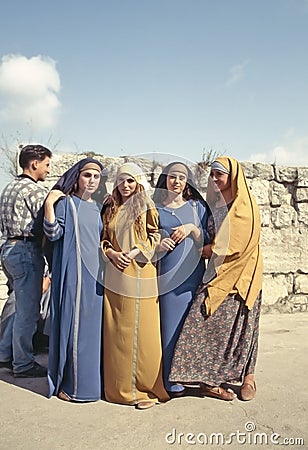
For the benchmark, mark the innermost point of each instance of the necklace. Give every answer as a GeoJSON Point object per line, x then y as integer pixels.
{"type": "Point", "coordinates": [169, 210]}
{"type": "Point", "coordinates": [172, 210]}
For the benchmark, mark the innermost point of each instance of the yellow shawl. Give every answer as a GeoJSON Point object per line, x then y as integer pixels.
{"type": "Point", "coordinates": [236, 247]}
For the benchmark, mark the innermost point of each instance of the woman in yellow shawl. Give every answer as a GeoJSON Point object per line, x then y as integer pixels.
{"type": "Point", "coordinates": [219, 340]}
{"type": "Point", "coordinates": [132, 342]}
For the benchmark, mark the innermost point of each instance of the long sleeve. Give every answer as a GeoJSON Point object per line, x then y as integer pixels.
{"type": "Point", "coordinates": [54, 231]}
{"type": "Point", "coordinates": [148, 245]}
{"type": "Point", "coordinates": [105, 242]}
{"type": "Point", "coordinates": [203, 217]}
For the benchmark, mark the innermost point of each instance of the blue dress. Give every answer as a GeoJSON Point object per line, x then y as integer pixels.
{"type": "Point", "coordinates": [180, 272]}
{"type": "Point", "coordinates": [76, 300]}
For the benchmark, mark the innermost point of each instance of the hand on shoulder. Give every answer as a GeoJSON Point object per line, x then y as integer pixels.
{"type": "Point", "coordinates": [54, 196]}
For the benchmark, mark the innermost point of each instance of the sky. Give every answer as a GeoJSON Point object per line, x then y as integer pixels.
{"type": "Point", "coordinates": [179, 77]}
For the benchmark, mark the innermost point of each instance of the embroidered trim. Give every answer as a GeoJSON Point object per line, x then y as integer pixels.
{"type": "Point", "coordinates": [78, 295]}
{"type": "Point", "coordinates": [136, 329]}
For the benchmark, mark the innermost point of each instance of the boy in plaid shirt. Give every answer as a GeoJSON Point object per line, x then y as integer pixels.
{"type": "Point", "coordinates": [22, 259]}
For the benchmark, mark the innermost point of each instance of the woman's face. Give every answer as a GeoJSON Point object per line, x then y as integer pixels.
{"type": "Point", "coordinates": [88, 181]}
{"type": "Point", "coordinates": [176, 181]}
{"type": "Point", "coordinates": [126, 185]}
{"type": "Point", "coordinates": [221, 181]}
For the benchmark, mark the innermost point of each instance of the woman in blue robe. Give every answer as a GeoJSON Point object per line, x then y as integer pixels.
{"type": "Point", "coordinates": [182, 220]}
{"type": "Point", "coordinates": [73, 223]}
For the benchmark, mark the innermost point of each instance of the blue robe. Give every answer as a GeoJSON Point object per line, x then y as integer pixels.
{"type": "Point", "coordinates": [180, 273]}
{"type": "Point", "coordinates": [76, 300]}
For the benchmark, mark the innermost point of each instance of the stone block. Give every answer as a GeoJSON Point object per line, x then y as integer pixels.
{"type": "Point", "coordinates": [284, 251]}
{"type": "Point", "coordinates": [301, 284]}
{"type": "Point", "coordinates": [260, 190]}
{"type": "Point", "coordinates": [286, 174]}
{"type": "Point", "coordinates": [276, 286]}
{"type": "Point", "coordinates": [303, 214]}
{"type": "Point", "coordinates": [279, 194]}
{"type": "Point", "coordinates": [302, 177]}
{"type": "Point", "coordinates": [265, 215]}
{"type": "Point", "coordinates": [284, 217]}
{"type": "Point", "coordinates": [258, 170]}
{"type": "Point", "coordinates": [301, 195]}
{"type": "Point", "coordinates": [299, 303]}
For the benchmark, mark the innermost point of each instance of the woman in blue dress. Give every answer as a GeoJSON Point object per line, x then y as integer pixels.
{"type": "Point", "coordinates": [182, 221]}
{"type": "Point", "coordinates": [73, 223]}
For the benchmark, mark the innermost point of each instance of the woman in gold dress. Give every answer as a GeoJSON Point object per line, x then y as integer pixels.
{"type": "Point", "coordinates": [132, 342]}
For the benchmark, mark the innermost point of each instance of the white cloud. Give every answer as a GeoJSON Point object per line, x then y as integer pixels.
{"type": "Point", "coordinates": [237, 73]}
{"type": "Point", "coordinates": [29, 90]}
{"type": "Point", "coordinates": [294, 153]}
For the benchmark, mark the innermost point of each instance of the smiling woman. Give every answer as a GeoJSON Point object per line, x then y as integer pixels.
{"type": "Point", "coordinates": [182, 223]}
{"type": "Point", "coordinates": [132, 345]}
{"type": "Point", "coordinates": [219, 340]}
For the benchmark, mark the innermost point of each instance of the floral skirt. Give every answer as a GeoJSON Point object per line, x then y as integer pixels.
{"type": "Point", "coordinates": [219, 348]}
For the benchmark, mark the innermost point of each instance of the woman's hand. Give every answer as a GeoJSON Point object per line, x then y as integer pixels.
{"type": "Point", "coordinates": [207, 251]}
{"type": "Point", "coordinates": [166, 244]}
{"type": "Point", "coordinates": [181, 232]}
{"type": "Point", "coordinates": [54, 196]}
{"type": "Point", "coordinates": [108, 199]}
{"type": "Point", "coordinates": [51, 199]}
{"type": "Point", "coordinates": [120, 260]}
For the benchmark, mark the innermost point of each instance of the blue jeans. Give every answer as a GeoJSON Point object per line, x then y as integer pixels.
{"type": "Point", "coordinates": [6, 328]}
{"type": "Point", "coordinates": [23, 264]}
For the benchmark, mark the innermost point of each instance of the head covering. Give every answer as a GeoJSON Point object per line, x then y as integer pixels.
{"type": "Point", "coordinates": [161, 184]}
{"type": "Point", "coordinates": [134, 171]}
{"type": "Point", "coordinates": [216, 165]}
{"type": "Point", "coordinates": [236, 246]}
{"type": "Point", "coordinates": [92, 166]}
{"type": "Point", "coordinates": [66, 185]}
{"type": "Point", "coordinates": [179, 167]}
{"type": "Point", "coordinates": [70, 177]}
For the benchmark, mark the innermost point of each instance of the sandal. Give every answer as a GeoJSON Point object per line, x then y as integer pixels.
{"type": "Point", "coordinates": [63, 396]}
{"type": "Point", "coordinates": [248, 390]}
{"type": "Point", "coordinates": [218, 392]}
{"type": "Point", "coordinates": [144, 405]}
{"type": "Point", "coordinates": [179, 393]}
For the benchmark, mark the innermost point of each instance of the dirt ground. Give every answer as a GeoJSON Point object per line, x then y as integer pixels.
{"type": "Point", "coordinates": [276, 418]}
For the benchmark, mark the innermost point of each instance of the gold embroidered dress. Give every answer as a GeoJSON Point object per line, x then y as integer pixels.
{"type": "Point", "coordinates": [132, 342]}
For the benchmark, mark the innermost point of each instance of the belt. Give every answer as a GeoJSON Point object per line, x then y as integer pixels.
{"type": "Point", "coordinates": [22, 238]}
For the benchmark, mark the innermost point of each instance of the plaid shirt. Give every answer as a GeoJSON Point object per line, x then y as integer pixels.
{"type": "Point", "coordinates": [20, 202]}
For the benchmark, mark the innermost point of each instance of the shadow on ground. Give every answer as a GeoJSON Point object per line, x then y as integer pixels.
{"type": "Point", "coordinates": [36, 385]}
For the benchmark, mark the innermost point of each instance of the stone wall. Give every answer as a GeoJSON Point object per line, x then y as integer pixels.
{"type": "Point", "coordinates": [282, 195]}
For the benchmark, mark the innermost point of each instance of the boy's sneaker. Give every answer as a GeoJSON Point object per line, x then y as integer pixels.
{"type": "Point", "coordinates": [35, 372]}
{"type": "Point", "coordinates": [6, 365]}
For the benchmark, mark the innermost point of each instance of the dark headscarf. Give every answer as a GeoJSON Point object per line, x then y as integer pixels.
{"type": "Point", "coordinates": [68, 180]}
{"type": "Point", "coordinates": [190, 191]}
{"type": "Point", "coordinates": [67, 184]}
